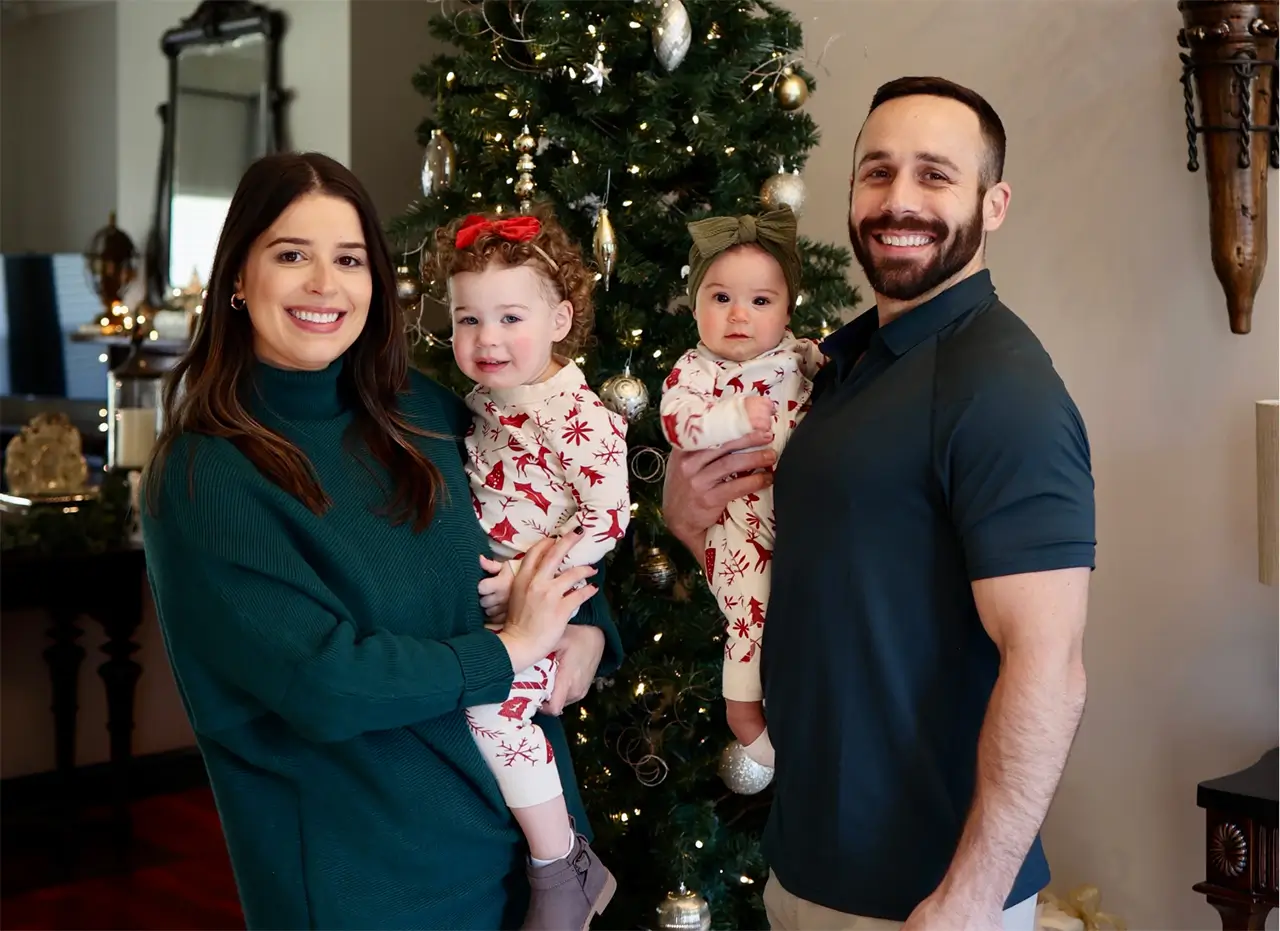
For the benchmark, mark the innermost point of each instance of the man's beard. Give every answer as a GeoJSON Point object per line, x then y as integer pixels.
{"type": "Point", "coordinates": [907, 279]}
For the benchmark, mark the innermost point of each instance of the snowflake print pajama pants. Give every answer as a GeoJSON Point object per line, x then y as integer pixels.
{"type": "Point", "coordinates": [515, 748]}
{"type": "Point", "coordinates": [738, 557]}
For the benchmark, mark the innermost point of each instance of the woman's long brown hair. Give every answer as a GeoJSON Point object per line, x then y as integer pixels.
{"type": "Point", "coordinates": [205, 392]}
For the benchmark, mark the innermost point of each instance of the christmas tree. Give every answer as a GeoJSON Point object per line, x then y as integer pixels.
{"type": "Point", "coordinates": [632, 120]}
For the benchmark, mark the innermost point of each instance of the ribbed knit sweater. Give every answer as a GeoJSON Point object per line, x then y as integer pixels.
{"type": "Point", "coordinates": [324, 662]}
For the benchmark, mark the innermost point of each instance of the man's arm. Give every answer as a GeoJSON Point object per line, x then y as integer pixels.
{"type": "Point", "coordinates": [1037, 622]}
{"type": "Point", "coordinates": [1014, 464]}
{"type": "Point", "coordinates": [695, 491]}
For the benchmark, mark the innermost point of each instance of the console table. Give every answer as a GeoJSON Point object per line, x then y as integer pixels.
{"type": "Point", "coordinates": [108, 588]}
{"type": "Point", "coordinates": [1240, 844]}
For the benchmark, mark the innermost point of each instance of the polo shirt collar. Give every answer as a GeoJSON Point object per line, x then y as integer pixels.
{"type": "Point", "coordinates": [916, 325]}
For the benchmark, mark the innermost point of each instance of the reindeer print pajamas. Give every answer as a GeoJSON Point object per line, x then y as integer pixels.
{"type": "Point", "coordinates": [543, 459]}
{"type": "Point", "coordinates": [703, 407]}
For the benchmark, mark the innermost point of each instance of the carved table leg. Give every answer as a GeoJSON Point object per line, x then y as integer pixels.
{"type": "Point", "coordinates": [120, 676]}
{"type": "Point", "coordinates": [64, 657]}
{"type": "Point", "coordinates": [1241, 916]}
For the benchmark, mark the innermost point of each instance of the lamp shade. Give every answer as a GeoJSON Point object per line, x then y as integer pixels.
{"type": "Point", "coordinates": [1268, 499]}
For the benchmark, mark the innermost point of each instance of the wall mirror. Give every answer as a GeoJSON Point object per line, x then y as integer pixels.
{"type": "Point", "coordinates": [225, 108]}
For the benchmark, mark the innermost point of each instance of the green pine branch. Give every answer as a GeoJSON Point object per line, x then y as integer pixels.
{"type": "Point", "coordinates": [671, 148]}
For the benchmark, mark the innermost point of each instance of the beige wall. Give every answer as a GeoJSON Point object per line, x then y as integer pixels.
{"type": "Point", "coordinates": [57, 125]}
{"type": "Point", "coordinates": [1106, 255]}
{"type": "Point", "coordinates": [389, 41]}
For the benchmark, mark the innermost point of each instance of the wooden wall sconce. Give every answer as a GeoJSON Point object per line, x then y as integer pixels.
{"type": "Point", "coordinates": [1231, 56]}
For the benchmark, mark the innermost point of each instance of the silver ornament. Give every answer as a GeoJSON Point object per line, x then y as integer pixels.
{"type": "Point", "coordinates": [438, 163]}
{"type": "Point", "coordinates": [741, 773]}
{"type": "Point", "coordinates": [672, 34]}
{"type": "Point", "coordinates": [784, 190]}
{"type": "Point", "coordinates": [625, 394]}
{"type": "Point", "coordinates": [684, 911]}
{"type": "Point", "coordinates": [408, 287]}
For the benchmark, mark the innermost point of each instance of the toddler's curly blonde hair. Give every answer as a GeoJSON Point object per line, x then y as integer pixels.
{"type": "Point", "coordinates": [510, 240]}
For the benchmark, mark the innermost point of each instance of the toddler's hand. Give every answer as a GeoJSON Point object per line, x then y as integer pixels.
{"type": "Point", "coordinates": [495, 591]}
{"type": "Point", "coordinates": [760, 413]}
{"type": "Point", "coordinates": [746, 719]}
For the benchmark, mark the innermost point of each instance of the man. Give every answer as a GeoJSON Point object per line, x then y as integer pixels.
{"type": "Point", "coordinates": [935, 533]}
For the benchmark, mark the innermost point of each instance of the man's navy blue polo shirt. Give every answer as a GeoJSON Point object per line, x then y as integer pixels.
{"type": "Point", "coordinates": [949, 452]}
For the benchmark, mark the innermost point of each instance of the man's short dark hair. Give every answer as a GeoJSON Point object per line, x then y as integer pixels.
{"type": "Point", "coordinates": [988, 119]}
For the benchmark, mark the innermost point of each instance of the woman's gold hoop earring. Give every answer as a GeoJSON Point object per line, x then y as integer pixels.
{"type": "Point", "coordinates": [237, 302]}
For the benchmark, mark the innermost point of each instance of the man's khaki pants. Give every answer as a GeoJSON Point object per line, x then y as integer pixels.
{"type": "Point", "coordinates": [790, 913]}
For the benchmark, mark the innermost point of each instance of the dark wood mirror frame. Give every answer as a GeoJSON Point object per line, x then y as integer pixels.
{"type": "Point", "coordinates": [214, 22]}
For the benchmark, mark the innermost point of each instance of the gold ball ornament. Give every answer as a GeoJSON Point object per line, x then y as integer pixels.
{"type": "Point", "coordinates": [655, 570]}
{"type": "Point", "coordinates": [742, 774]}
{"type": "Point", "coordinates": [784, 190]}
{"type": "Point", "coordinates": [791, 91]}
{"type": "Point", "coordinates": [684, 911]}
{"type": "Point", "coordinates": [408, 287]}
{"type": "Point", "coordinates": [625, 395]}
{"type": "Point", "coordinates": [525, 143]}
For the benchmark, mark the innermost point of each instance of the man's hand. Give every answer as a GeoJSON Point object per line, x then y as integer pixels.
{"type": "Point", "coordinates": [696, 492]}
{"type": "Point", "coordinates": [578, 654]}
{"type": "Point", "coordinates": [746, 719]}
{"type": "Point", "coordinates": [938, 913]}
{"type": "Point", "coordinates": [495, 591]}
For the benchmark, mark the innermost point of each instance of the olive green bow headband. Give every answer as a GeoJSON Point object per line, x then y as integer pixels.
{"type": "Point", "coordinates": [774, 232]}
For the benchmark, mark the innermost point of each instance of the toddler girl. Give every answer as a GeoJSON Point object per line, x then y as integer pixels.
{"type": "Point", "coordinates": [747, 373]}
{"type": "Point", "coordinates": [545, 457]}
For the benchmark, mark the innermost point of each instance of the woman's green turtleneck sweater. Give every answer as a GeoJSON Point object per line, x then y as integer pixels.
{"type": "Point", "coordinates": [325, 662]}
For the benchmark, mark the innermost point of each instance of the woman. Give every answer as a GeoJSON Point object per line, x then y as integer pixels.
{"type": "Point", "coordinates": [315, 562]}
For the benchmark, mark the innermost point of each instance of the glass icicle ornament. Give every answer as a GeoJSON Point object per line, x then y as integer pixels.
{"type": "Point", "coordinates": [604, 245]}
{"type": "Point", "coordinates": [672, 34]}
{"type": "Point", "coordinates": [438, 163]}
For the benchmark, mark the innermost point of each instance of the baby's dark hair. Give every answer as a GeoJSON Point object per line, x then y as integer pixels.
{"type": "Point", "coordinates": [550, 250]}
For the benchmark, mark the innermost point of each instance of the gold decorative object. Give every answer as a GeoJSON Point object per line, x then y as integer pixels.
{"type": "Point", "coordinates": [525, 185]}
{"type": "Point", "coordinates": [1080, 908]}
{"type": "Point", "coordinates": [408, 286]}
{"type": "Point", "coordinates": [791, 91]}
{"type": "Point", "coordinates": [112, 262]}
{"type": "Point", "coordinates": [1231, 59]}
{"type": "Point", "coordinates": [784, 190]}
{"type": "Point", "coordinates": [684, 911]}
{"type": "Point", "coordinates": [438, 163]}
{"type": "Point", "coordinates": [45, 459]}
{"type": "Point", "coordinates": [604, 244]}
{"type": "Point", "coordinates": [655, 570]}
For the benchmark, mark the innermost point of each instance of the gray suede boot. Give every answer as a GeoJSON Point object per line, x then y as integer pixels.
{"type": "Point", "coordinates": [567, 894]}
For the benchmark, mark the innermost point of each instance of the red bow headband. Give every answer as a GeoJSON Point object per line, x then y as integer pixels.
{"type": "Point", "coordinates": [513, 229]}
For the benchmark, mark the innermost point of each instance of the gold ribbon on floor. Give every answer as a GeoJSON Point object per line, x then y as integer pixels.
{"type": "Point", "coordinates": [1083, 903]}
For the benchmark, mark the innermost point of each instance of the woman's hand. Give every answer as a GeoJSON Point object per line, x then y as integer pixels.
{"type": "Point", "coordinates": [543, 599]}
{"type": "Point", "coordinates": [578, 652]}
{"type": "Point", "coordinates": [695, 492]}
{"type": "Point", "coordinates": [495, 591]}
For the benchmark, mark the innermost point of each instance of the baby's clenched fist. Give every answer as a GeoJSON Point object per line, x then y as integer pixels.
{"type": "Point", "coordinates": [760, 413]}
